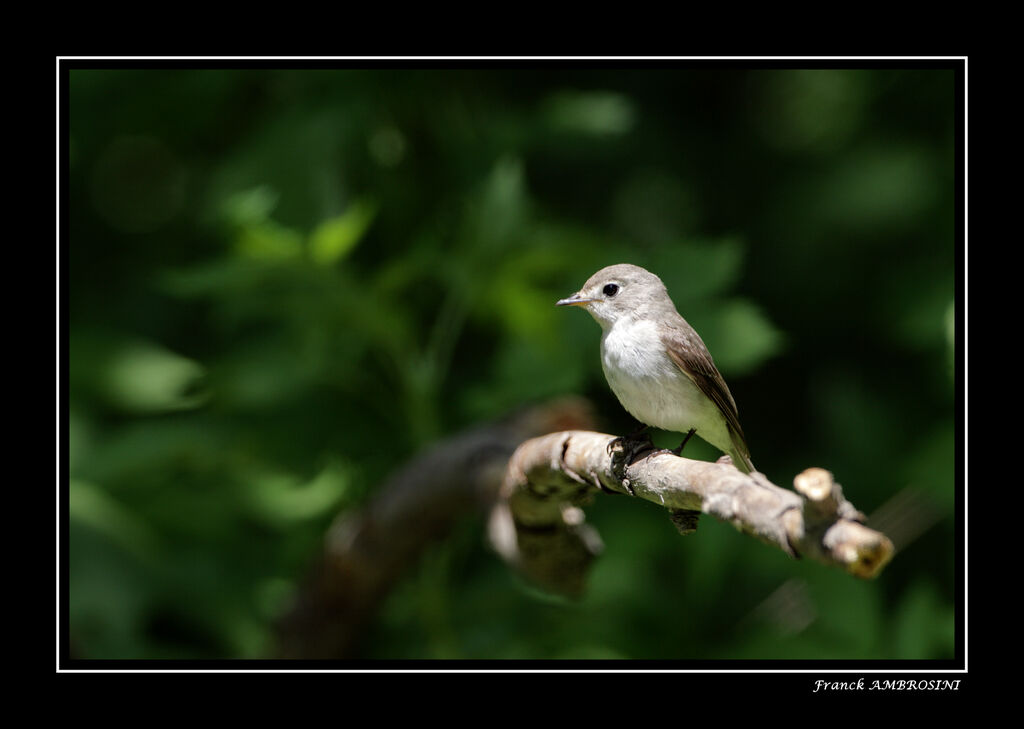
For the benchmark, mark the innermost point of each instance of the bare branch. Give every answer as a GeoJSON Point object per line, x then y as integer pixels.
{"type": "Point", "coordinates": [366, 550]}
{"type": "Point", "coordinates": [538, 526]}
{"type": "Point", "coordinates": [533, 494]}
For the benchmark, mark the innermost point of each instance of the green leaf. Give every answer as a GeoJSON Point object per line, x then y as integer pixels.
{"type": "Point", "coordinates": [698, 269]}
{"type": "Point", "coordinates": [279, 497]}
{"type": "Point", "coordinates": [268, 241]}
{"type": "Point", "coordinates": [498, 210]}
{"type": "Point", "coordinates": [78, 438]}
{"type": "Point", "coordinates": [89, 504]}
{"type": "Point", "coordinates": [878, 188]}
{"type": "Point", "coordinates": [250, 207]}
{"type": "Point", "coordinates": [596, 112]}
{"type": "Point", "coordinates": [335, 238]}
{"type": "Point", "coordinates": [739, 336]}
{"type": "Point", "coordinates": [221, 279]}
{"type": "Point", "coordinates": [145, 377]}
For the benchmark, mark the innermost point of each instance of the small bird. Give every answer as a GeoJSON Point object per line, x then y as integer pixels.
{"type": "Point", "coordinates": [656, 363]}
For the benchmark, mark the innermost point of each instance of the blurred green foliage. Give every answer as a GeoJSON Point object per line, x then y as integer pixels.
{"type": "Point", "coordinates": [280, 284]}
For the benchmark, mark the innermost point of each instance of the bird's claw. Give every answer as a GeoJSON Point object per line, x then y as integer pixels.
{"type": "Point", "coordinates": [631, 446]}
{"type": "Point", "coordinates": [678, 451]}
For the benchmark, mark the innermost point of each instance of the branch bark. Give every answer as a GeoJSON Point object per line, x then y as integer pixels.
{"type": "Point", "coordinates": [534, 494]}
{"type": "Point", "coordinates": [538, 525]}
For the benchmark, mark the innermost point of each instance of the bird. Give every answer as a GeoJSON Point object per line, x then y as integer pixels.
{"type": "Point", "coordinates": [656, 363]}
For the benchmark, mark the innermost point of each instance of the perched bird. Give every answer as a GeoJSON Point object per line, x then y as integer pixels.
{"type": "Point", "coordinates": [656, 364]}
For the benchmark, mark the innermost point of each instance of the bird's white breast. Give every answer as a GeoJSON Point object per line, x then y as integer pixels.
{"type": "Point", "coordinates": [650, 386]}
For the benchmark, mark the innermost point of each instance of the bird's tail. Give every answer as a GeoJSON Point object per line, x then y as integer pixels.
{"type": "Point", "coordinates": [740, 454]}
{"type": "Point", "coordinates": [742, 461]}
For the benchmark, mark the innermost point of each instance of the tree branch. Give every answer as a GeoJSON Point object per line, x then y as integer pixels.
{"type": "Point", "coordinates": [538, 526]}
{"type": "Point", "coordinates": [367, 550]}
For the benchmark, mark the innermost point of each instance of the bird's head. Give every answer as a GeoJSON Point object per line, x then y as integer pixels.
{"type": "Point", "coordinates": [619, 291]}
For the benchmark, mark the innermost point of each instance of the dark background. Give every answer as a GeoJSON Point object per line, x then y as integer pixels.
{"type": "Point", "coordinates": [280, 284]}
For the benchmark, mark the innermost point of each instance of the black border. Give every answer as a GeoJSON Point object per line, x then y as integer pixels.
{"type": "Point", "coordinates": [800, 673]}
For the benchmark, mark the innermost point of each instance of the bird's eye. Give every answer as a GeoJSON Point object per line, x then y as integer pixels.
{"type": "Point", "coordinates": [611, 289]}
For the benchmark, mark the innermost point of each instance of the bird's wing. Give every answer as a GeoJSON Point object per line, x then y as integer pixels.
{"type": "Point", "coordinates": [685, 348]}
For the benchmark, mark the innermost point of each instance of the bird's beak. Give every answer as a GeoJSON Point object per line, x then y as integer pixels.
{"type": "Point", "coordinates": [574, 300]}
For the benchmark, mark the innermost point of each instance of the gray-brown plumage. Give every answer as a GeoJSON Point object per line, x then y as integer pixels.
{"type": "Point", "coordinates": [656, 363]}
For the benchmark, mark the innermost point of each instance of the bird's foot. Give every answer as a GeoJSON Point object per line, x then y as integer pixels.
{"type": "Point", "coordinates": [622, 440]}
{"type": "Point", "coordinates": [627, 450]}
{"type": "Point", "coordinates": [632, 446]}
{"type": "Point", "coordinates": [679, 450]}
